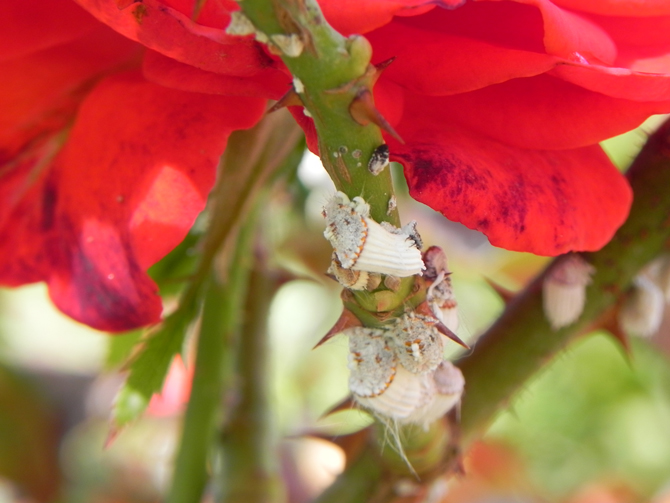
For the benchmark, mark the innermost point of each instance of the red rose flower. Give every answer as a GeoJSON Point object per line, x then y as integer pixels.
{"type": "Point", "coordinates": [501, 105]}
{"type": "Point", "coordinates": [108, 143]}
{"type": "Point", "coordinates": [103, 169]}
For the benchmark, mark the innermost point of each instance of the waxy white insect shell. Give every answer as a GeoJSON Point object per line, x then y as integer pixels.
{"type": "Point", "coordinates": [417, 343]}
{"type": "Point", "coordinates": [372, 363]}
{"type": "Point", "coordinates": [642, 312]}
{"type": "Point", "coordinates": [291, 45]}
{"type": "Point", "coordinates": [418, 398]}
{"type": "Point", "coordinates": [354, 280]}
{"type": "Point", "coordinates": [564, 290]}
{"type": "Point", "coordinates": [440, 294]}
{"type": "Point", "coordinates": [448, 385]}
{"type": "Point", "coordinates": [379, 159]}
{"type": "Point", "coordinates": [240, 25]}
{"type": "Point", "coordinates": [362, 244]}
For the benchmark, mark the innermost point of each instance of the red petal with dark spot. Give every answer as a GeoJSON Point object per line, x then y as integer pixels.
{"type": "Point", "coordinates": [135, 172]}
{"type": "Point", "coordinates": [544, 202]}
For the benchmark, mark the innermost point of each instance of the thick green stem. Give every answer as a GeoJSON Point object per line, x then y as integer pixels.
{"type": "Point", "coordinates": [251, 157]}
{"type": "Point", "coordinates": [521, 341]}
{"type": "Point", "coordinates": [221, 316]}
{"type": "Point", "coordinates": [332, 70]}
{"type": "Point", "coordinates": [331, 75]}
{"type": "Point", "coordinates": [250, 468]}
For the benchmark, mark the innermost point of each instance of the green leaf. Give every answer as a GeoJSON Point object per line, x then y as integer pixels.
{"type": "Point", "coordinates": [119, 349]}
{"type": "Point", "coordinates": [149, 369]}
{"type": "Point", "coordinates": [172, 271]}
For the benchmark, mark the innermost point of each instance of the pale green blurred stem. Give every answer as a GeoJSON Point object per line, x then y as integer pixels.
{"type": "Point", "coordinates": [250, 470]}
{"type": "Point", "coordinates": [521, 342]}
{"type": "Point", "coordinates": [219, 330]}
{"type": "Point", "coordinates": [250, 158]}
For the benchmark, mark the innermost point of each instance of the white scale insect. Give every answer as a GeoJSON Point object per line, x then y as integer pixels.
{"type": "Point", "coordinates": [399, 372]}
{"type": "Point", "coordinates": [362, 244]}
{"type": "Point", "coordinates": [440, 294]}
{"type": "Point", "coordinates": [564, 290]}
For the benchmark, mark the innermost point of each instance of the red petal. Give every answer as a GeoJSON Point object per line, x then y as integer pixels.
{"type": "Point", "coordinates": [307, 125]}
{"type": "Point", "coordinates": [361, 16]}
{"type": "Point", "coordinates": [433, 63]}
{"type": "Point", "coordinates": [39, 92]}
{"type": "Point", "coordinates": [572, 36]}
{"type": "Point", "coordinates": [125, 189]}
{"type": "Point", "coordinates": [643, 43]}
{"type": "Point", "coordinates": [633, 8]}
{"type": "Point", "coordinates": [167, 72]}
{"type": "Point", "coordinates": [173, 34]}
{"type": "Point", "coordinates": [617, 82]}
{"type": "Point", "coordinates": [29, 25]}
{"type": "Point", "coordinates": [544, 202]}
{"type": "Point", "coordinates": [537, 112]}
{"type": "Point", "coordinates": [214, 13]}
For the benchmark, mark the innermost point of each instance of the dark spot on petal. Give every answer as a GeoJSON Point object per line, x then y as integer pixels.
{"type": "Point", "coordinates": [139, 13]}
{"type": "Point", "coordinates": [49, 200]}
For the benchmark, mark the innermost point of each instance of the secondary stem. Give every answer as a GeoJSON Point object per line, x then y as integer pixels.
{"type": "Point", "coordinates": [218, 331]}
{"type": "Point", "coordinates": [250, 471]}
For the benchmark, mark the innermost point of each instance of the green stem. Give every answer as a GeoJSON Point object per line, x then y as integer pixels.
{"type": "Point", "coordinates": [521, 341]}
{"type": "Point", "coordinates": [250, 470]}
{"type": "Point", "coordinates": [218, 332]}
{"type": "Point", "coordinates": [333, 72]}
{"type": "Point", "coordinates": [251, 157]}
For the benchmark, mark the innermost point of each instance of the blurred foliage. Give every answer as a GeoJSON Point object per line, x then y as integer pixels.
{"type": "Point", "coordinates": [29, 436]}
{"type": "Point", "coordinates": [594, 415]}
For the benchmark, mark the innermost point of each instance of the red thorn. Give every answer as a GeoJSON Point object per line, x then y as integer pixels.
{"type": "Point", "coordinates": [346, 404]}
{"type": "Point", "coordinates": [363, 111]}
{"type": "Point", "coordinates": [380, 67]}
{"type": "Point", "coordinates": [113, 434]}
{"type": "Point", "coordinates": [374, 72]}
{"type": "Point", "coordinates": [611, 324]}
{"type": "Point", "coordinates": [505, 294]}
{"type": "Point", "coordinates": [346, 320]}
{"type": "Point", "coordinates": [442, 328]}
{"type": "Point", "coordinates": [290, 99]}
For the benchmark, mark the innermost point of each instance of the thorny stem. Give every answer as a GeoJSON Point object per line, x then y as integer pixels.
{"type": "Point", "coordinates": [522, 338]}
{"type": "Point", "coordinates": [250, 471]}
{"type": "Point", "coordinates": [521, 341]}
{"type": "Point", "coordinates": [334, 71]}
{"type": "Point", "coordinates": [330, 74]}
